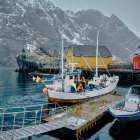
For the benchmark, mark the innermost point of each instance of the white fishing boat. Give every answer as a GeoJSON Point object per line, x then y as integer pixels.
{"type": "Point", "coordinates": [60, 90]}
{"type": "Point", "coordinates": [129, 109]}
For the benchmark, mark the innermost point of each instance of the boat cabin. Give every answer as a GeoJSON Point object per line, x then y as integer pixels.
{"type": "Point", "coordinates": [132, 102]}
{"type": "Point", "coordinates": [135, 90]}
{"type": "Point", "coordinates": [68, 79]}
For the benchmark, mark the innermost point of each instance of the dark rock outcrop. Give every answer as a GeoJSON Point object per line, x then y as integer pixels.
{"type": "Point", "coordinates": [34, 61]}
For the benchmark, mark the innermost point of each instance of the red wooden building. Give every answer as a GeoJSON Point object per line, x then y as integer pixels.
{"type": "Point", "coordinates": [136, 59]}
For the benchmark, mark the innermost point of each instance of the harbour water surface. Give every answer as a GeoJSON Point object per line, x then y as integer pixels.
{"type": "Point", "coordinates": [18, 89]}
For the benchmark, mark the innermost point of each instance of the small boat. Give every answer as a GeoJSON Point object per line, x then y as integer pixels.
{"type": "Point", "coordinates": [128, 110]}
{"type": "Point", "coordinates": [60, 90]}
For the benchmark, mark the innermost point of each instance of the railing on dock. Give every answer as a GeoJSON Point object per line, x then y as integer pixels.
{"type": "Point", "coordinates": [19, 122]}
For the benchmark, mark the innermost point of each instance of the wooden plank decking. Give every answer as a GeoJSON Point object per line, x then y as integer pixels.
{"type": "Point", "coordinates": [89, 112]}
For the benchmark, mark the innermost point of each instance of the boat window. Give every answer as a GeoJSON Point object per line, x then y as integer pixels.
{"type": "Point", "coordinates": [71, 77]}
{"type": "Point", "coordinates": [136, 90]}
{"type": "Point", "coordinates": [76, 77]}
{"type": "Point", "coordinates": [133, 100]}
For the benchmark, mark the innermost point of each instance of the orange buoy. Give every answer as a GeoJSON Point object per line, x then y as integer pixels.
{"type": "Point", "coordinates": [45, 90]}
{"type": "Point", "coordinates": [118, 108]}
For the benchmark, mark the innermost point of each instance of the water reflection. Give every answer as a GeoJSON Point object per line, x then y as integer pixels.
{"type": "Point", "coordinates": [17, 89]}
{"type": "Point", "coordinates": [23, 81]}
{"type": "Point", "coordinates": [130, 131]}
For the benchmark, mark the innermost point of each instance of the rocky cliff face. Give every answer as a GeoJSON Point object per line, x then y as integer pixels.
{"type": "Point", "coordinates": [35, 24]}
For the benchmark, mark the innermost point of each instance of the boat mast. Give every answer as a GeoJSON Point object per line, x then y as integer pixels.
{"type": "Point", "coordinates": [62, 54]}
{"type": "Point", "coordinates": [97, 47]}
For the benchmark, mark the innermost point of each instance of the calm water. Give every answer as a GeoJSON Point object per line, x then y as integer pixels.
{"type": "Point", "coordinates": [19, 90]}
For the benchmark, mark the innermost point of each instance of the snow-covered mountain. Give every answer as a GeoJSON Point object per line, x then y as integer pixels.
{"type": "Point", "coordinates": [36, 24]}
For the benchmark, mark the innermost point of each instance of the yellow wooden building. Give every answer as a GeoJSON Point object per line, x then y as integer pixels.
{"type": "Point", "coordinates": [83, 54]}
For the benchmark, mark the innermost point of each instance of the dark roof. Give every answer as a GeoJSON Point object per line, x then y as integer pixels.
{"type": "Point", "coordinates": [86, 50]}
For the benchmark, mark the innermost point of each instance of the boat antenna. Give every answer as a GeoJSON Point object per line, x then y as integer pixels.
{"type": "Point", "coordinates": [97, 47]}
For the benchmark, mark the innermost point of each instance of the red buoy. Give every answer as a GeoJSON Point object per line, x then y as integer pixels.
{"type": "Point", "coordinates": [118, 108]}
{"type": "Point", "coordinates": [45, 110]}
{"type": "Point", "coordinates": [45, 90]}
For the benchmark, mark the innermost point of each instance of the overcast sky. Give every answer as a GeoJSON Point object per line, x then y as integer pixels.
{"type": "Point", "coordinates": [127, 10]}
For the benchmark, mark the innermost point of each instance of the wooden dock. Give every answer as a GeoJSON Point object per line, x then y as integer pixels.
{"type": "Point", "coordinates": [86, 115]}
{"type": "Point", "coordinates": [78, 118]}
